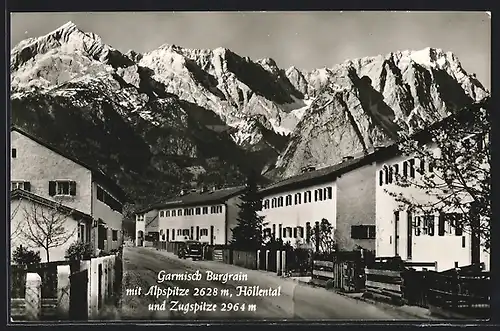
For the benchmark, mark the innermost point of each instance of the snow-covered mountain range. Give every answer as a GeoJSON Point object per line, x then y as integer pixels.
{"type": "Point", "coordinates": [196, 116]}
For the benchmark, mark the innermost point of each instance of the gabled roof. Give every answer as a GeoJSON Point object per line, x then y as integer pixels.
{"type": "Point", "coordinates": [99, 174]}
{"type": "Point", "coordinates": [22, 194]}
{"type": "Point", "coordinates": [197, 199]}
{"type": "Point", "coordinates": [321, 175]}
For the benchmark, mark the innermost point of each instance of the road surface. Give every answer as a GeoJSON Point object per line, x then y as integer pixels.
{"type": "Point", "coordinates": [295, 301]}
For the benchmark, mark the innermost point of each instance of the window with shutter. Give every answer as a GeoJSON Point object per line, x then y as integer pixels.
{"type": "Point", "coordinates": [72, 188]}
{"type": "Point", "coordinates": [441, 224]}
{"type": "Point", "coordinates": [430, 225]}
{"type": "Point", "coordinates": [411, 168]}
{"type": "Point", "coordinates": [417, 225]}
{"type": "Point", "coordinates": [431, 166]}
{"type": "Point", "coordinates": [52, 188]}
{"type": "Point", "coordinates": [20, 185]}
{"type": "Point", "coordinates": [396, 169]}
{"type": "Point", "coordinates": [405, 168]}
{"type": "Point", "coordinates": [329, 193]}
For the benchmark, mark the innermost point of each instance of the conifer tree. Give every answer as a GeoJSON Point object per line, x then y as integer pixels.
{"type": "Point", "coordinates": [247, 235]}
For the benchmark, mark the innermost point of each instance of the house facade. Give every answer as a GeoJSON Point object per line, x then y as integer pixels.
{"type": "Point", "coordinates": [204, 215]}
{"type": "Point", "coordinates": [355, 206]}
{"type": "Point", "coordinates": [292, 209]}
{"type": "Point", "coordinates": [41, 169]}
{"type": "Point", "coordinates": [30, 210]}
{"type": "Point", "coordinates": [412, 235]}
{"type": "Point", "coordinates": [342, 194]}
{"type": "Point", "coordinates": [146, 226]}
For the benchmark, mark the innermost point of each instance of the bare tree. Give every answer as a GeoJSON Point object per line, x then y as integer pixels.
{"type": "Point", "coordinates": [15, 230]}
{"type": "Point", "coordinates": [459, 184]}
{"type": "Point", "coordinates": [46, 228]}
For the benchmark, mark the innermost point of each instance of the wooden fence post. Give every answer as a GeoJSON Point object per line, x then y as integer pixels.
{"type": "Point", "coordinates": [283, 262]}
{"type": "Point", "coordinates": [33, 296]}
{"type": "Point", "coordinates": [268, 255]}
{"type": "Point", "coordinates": [278, 263]}
{"type": "Point", "coordinates": [258, 259]}
{"type": "Point", "coordinates": [63, 290]}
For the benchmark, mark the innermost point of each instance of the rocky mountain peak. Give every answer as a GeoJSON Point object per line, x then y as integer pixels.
{"type": "Point", "coordinates": [174, 102]}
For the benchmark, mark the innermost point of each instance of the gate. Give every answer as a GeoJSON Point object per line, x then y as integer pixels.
{"type": "Point", "coordinates": [78, 307]}
{"type": "Point", "coordinates": [272, 261]}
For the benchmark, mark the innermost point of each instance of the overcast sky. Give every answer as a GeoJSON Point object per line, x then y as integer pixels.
{"type": "Point", "coordinates": [307, 40]}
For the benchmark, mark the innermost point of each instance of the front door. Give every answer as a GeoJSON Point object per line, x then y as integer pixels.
{"type": "Point", "coordinates": [101, 236]}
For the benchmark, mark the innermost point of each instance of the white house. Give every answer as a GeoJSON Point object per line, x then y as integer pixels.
{"type": "Point", "coordinates": [146, 226]}
{"type": "Point", "coordinates": [411, 235]}
{"type": "Point", "coordinates": [29, 210]}
{"type": "Point", "coordinates": [204, 215]}
{"type": "Point", "coordinates": [291, 207]}
{"type": "Point", "coordinates": [47, 172]}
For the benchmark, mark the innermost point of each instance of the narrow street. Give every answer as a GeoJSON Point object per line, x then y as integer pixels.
{"type": "Point", "coordinates": [296, 301]}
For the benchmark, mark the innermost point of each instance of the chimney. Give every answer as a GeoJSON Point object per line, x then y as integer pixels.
{"type": "Point", "coordinates": [308, 168]}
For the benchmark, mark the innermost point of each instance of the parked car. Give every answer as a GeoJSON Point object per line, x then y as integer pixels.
{"type": "Point", "coordinates": [192, 249]}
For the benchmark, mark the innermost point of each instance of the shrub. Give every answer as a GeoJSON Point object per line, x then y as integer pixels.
{"type": "Point", "coordinates": [329, 284]}
{"type": "Point", "coordinates": [79, 251]}
{"type": "Point", "coordinates": [23, 255]}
